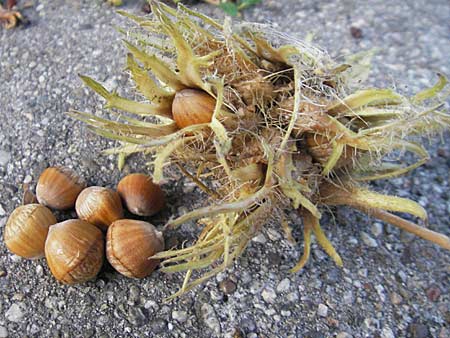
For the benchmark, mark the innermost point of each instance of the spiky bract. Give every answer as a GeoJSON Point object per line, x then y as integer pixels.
{"type": "Point", "coordinates": [291, 129]}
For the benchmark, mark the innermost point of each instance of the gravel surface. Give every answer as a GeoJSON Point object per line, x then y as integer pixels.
{"type": "Point", "coordinates": [392, 285]}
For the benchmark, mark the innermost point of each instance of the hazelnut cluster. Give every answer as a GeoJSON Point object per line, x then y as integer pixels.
{"type": "Point", "coordinates": [75, 248]}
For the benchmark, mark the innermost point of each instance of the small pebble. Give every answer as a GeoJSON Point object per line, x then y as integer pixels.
{"type": "Point", "coordinates": [227, 286]}
{"type": "Point", "coordinates": [380, 291]}
{"type": "Point", "coordinates": [210, 318]}
{"type": "Point", "coordinates": [396, 299]}
{"type": "Point", "coordinates": [3, 332]}
{"type": "Point", "coordinates": [260, 238]}
{"type": "Point", "coordinates": [348, 298]}
{"type": "Point", "coordinates": [322, 310]}
{"type": "Point", "coordinates": [4, 158]}
{"type": "Point", "coordinates": [179, 316]}
{"type": "Point", "coordinates": [158, 325]}
{"type": "Point", "coordinates": [433, 293]}
{"type": "Point", "coordinates": [344, 335]}
{"type": "Point", "coordinates": [387, 333]}
{"type": "Point", "coordinates": [14, 314]}
{"type": "Point", "coordinates": [268, 295]}
{"type": "Point", "coordinates": [356, 32]}
{"type": "Point", "coordinates": [369, 241]}
{"type": "Point", "coordinates": [284, 285]}
{"type": "Point", "coordinates": [418, 330]}
{"type": "Point", "coordinates": [39, 270]}
{"type": "Point", "coordinates": [376, 229]}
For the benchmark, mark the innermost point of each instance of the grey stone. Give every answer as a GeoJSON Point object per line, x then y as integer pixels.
{"type": "Point", "coordinates": [210, 318]}
{"type": "Point", "coordinates": [376, 229]}
{"type": "Point", "coordinates": [3, 332]}
{"type": "Point", "coordinates": [133, 296]}
{"type": "Point", "coordinates": [369, 241]}
{"type": "Point", "coordinates": [380, 291]}
{"type": "Point", "coordinates": [179, 316]}
{"type": "Point", "coordinates": [260, 238]}
{"type": "Point", "coordinates": [136, 316]}
{"type": "Point", "coordinates": [158, 325]}
{"type": "Point", "coordinates": [348, 298]}
{"type": "Point", "coordinates": [322, 310]}
{"type": "Point", "coordinates": [284, 285]}
{"type": "Point", "coordinates": [396, 299]}
{"type": "Point", "coordinates": [386, 332]}
{"type": "Point", "coordinates": [344, 335]}
{"type": "Point", "coordinates": [4, 158]}
{"type": "Point", "coordinates": [15, 313]}
{"type": "Point", "coordinates": [269, 295]}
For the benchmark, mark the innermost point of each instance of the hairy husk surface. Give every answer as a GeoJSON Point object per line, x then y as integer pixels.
{"type": "Point", "coordinates": [291, 129]}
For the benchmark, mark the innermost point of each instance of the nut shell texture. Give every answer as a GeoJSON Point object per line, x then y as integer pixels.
{"type": "Point", "coordinates": [26, 230]}
{"type": "Point", "coordinates": [99, 206]}
{"type": "Point", "coordinates": [129, 244]}
{"type": "Point", "coordinates": [59, 187]}
{"type": "Point", "coordinates": [74, 251]}
{"type": "Point", "coordinates": [140, 195]}
{"type": "Point", "coordinates": [192, 106]}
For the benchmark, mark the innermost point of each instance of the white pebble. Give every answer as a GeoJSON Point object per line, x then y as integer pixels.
{"type": "Point", "coordinates": [3, 332]}
{"type": "Point", "coordinates": [322, 310]}
{"type": "Point", "coordinates": [376, 229]}
{"type": "Point", "coordinates": [14, 314]}
{"type": "Point", "coordinates": [268, 295]}
{"type": "Point", "coordinates": [369, 241]}
{"type": "Point", "coordinates": [284, 285]}
{"type": "Point", "coordinates": [179, 316]}
{"type": "Point", "coordinates": [387, 333]}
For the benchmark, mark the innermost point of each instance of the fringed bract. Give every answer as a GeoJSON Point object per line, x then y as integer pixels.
{"type": "Point", "coordinates": [289, 129]}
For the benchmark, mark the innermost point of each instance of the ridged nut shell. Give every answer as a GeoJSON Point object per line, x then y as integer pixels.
{"type": "Point", "coordinates": [59, 187]}
{"type": "Point", "coordinates": [99, 206]}
{"type": "Point", "coordinates": [192, 106]}
{"type": "Point", "coordinates": [74, 251]}
{"type": "Point", "coordinates": [129, 244]}
{"type": "Point", "coordinates": [140, 195]}
{"type": "Point", "coordinates": [26, 230]}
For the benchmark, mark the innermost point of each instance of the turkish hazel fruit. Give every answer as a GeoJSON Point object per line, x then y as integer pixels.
{"type": "Point", "coordinates": [58, 188]}
{"type": "Point", "coordinates": [26, 230]}
{"type": "Point", "coordinates": [262, 123]}
{"type": "Point", "coordinates": [99, 206]}
{"type": "Point", "coordinates": [74, 250]}
{"type": "Point", "coordinates": [192, 106]}
{"type": "Point", "coordinates": [140, 195]}
{"type": "Point", "coordinates": [129, 246]}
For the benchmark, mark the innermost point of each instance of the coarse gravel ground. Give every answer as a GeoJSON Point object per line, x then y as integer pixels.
{"type": "Point", "coordinates": [392, 285]}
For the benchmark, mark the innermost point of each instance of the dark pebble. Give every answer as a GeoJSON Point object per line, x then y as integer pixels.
{"type": "Point", "coordinates": [158, 325]}
{"type": "Point", "coordinates": [227, 286]}
{"type": "Point", "coordinates": [248, 325]}
{"type": "Point", "coordinates": [356, 32]}
{"type": "Point", "coordinates": [433, 293]}
{"type": "Point", "coordinates": [136, 316]}
{"type": "Point", "coordinates": [418, 330]}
